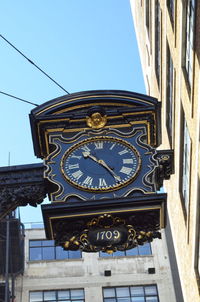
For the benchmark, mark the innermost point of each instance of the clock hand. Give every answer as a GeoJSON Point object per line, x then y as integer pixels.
{"type": "Point", "coordinates": [102, 163]}
{"type": "Point", "coordinates": [87, 154]}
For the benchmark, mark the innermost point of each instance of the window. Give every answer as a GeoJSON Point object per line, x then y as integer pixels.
{"type": "Point", "coordinates": [147, 15]}
{"type": "Point", "coordinates": [189, 39]}
{"type": "Point", "coordinates": [170, 6]}
{"type": "Point", "coordinates": [69, 295]}
{"type": "Point", "coordinates": [197, 239]}
{"type": "Point", "coordinates": [140, 250]}
{"type": "Point", "coordinates": [157, 40]}
{"type": "Point", "coordinates": [141, 293]}
{"type": "Point", "coordinates": [169, 94]}
{"type": "Point", "coordinates": [185, 179]}
{"type": "Point", "coordinates": [46, 250]}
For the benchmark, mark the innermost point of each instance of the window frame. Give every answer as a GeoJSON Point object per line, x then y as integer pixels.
{"type": "Point", "coordinates": [129, 287]}
{"type": "Point", "coordinates": [185, 161]}
{"type": "Point", "coordinates": [57, 295]}
{"type": "Point", "coordinates": [189, 13]}
{"type": "Point", "coordinates": [197, 237]}
{"type": "Point", "coordinates": [54, 249]}
{"type": "Point", "coordinates": [158, 25]}
{"type": "Point", "coordinates": [147, 16]}
{"type": "Point", "coordinates": [171, 10]}
{"type": "Point", "coordinates": [170, 74]}
{"type": "Point", "coordinates": [126, 252]}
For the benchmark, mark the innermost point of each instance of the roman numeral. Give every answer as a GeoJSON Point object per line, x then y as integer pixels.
{"type": "Point", "coordinates": [88, 181]}
{"type": "Point", "coordinates": [123, 152]}
{"type": "Point", "coordinates": [102, 182]}
{"type": "Point", "coordinates": [75, 166]}
{"type": "Point", "coordinates": [112, 146]}
{"type": "Point", "coordinates": [85, 148]}
{"type": "Point", "coordinates": [76, 156]}
{"type": "Point", "coordinates": [126, 170]}
{"type": "Point", "coordinates": [77, 174]}
{"type": "Point", "coordinates": [127, 161]}
{"type": "Point", "coordinates": [98, 145]}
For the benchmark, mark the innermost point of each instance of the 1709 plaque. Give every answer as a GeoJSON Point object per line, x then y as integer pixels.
{"type": "Point", "coordinates": [108, 236]}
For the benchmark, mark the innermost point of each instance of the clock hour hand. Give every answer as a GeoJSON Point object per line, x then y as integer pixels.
{"type": "Point", "coordinates": [87, 154]}
{"type": "Point", "coordinates": [102, 163]}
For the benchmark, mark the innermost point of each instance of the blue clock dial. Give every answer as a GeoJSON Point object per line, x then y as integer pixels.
{"type": "Point", "coordinates": [101, 164]}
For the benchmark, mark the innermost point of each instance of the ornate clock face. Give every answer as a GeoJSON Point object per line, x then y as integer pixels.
{"type": "Point", "coordinates": [100, 164]}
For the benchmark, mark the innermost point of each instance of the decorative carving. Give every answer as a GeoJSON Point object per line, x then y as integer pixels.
{"type": "Point", "coordinates": [105, 221]}
{"type": "Point", "coordinates": [96, 120]}
{"type": "Point", "coordinates": [20, 186]}
{"type": "Point", "coordinates": [165, 166]}
{"type": "Point", "coordinates": [123, 108]}
{"type": "Point", "coordinates": [12, 197]}
{"type": "Point", "coordinates": [68, 186]}
{"type": "Point", "coordinates": [108, 233]}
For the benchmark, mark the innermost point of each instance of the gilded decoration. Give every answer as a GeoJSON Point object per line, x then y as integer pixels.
{"type": "Point", "coordinates": [108, 232]}
{"type": "Point", "coordinates": [96, 120]}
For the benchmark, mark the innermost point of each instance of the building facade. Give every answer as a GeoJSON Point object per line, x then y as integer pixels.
{"type": "Point", "coordinates": [168, 39]}
{"type": "Point", "coordinates": [50, 274]}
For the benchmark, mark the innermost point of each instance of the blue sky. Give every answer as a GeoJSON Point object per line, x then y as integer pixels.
{"type": "Point", "coordinates": [82, 44]}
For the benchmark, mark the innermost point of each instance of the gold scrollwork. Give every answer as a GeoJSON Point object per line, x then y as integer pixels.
{"type": "Point", "coordinates": [103, 225]}
{"type": "Point", "coordinates": [105, 221]}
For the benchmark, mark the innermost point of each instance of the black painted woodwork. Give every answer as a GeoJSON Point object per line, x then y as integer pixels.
{"type": "Point", "coordinates": [135, 212]}
{"type": "Point", "coordinates": [21, 185]}
{"type": "Point", "coordinates": [69, 112]}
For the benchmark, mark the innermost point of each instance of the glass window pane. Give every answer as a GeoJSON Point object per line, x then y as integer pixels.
{"type": "Point", "coordinates": [47, 242]}
{"type": "Point", "coordinates": [109, 292]}
{"type": "Point", "coordinates": [124, 299]}
{"type": "Point", "coordinates": [48, 253]}
{"type": "Point", "coordinates": [35, 243]}
{"type": "Point", "coordinates": [137, 299]}
{"type": "Point", "coordinates": [102, 254]}
{"type": "Point", "coordinates": [137, 291]}
{"type": "Point", "coordinates": [118, 253]}
{"type": "Point", "coordinates": [77, 294]}
{"type": "Point", "coordinates": [36, 296]}
{"type": "Point", "coordinates": [60, 253]}
{"type": "Point", "coordinates": [131, 294]}
{"type": "Point", "coordinates": [49, 296]}
{"type": "Point", "coordinates": [150, 290]}
{"type": "Point", "coordinates": [74, 254]}
{"type": "Point", "coordinates": [63, 294]}
{"type": "Point", "coordinates": [122, 292]}
{"type": "Point", "coordinates": [35, 253]}
{"type": "Point", "coordinates": [145, 249]}
{"type": "Point", "coordinates": [132, 252]}
{"type": "Point", "coordinates": [151, 299]}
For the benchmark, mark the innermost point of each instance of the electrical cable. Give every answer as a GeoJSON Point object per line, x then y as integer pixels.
{"type": "Point", "coordinates": [30, 61]}
{"type": "Point", "coordinates": [15, 97]}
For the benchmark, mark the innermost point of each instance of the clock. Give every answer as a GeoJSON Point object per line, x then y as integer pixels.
{"type": "Point", "coordinates": [100, 163]}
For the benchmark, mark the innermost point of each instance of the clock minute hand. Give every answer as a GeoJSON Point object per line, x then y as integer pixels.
{"type": "Point", "coordinates": [102, 162]}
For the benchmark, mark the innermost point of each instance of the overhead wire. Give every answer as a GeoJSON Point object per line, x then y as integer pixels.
{"type": "Point", "coordinates": [31, 62]}
{"type": "Point", "coordinates": [15, 97]}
